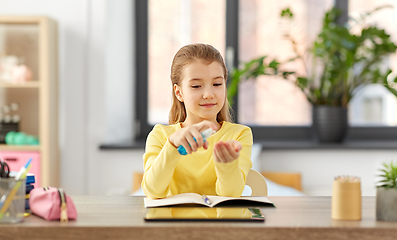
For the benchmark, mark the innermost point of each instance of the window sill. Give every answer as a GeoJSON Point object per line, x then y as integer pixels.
{"type": "Point", "coordinates": [308, 145]}
{"type": "Point", "coordinates": [123, 146]}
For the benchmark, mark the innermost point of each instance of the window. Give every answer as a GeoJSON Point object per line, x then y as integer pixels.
{"type": "Point", "coordinates": [273, 101]}
{"type": "Point", "coordinates": [173, 24]}
{"type": "Point", "coordinates": [374, 105]}
{"type": "Point", "coordinates": [241, 29]}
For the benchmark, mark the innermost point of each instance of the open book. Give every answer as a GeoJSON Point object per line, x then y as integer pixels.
{"type": "Point", "coordinates": [211, 201]}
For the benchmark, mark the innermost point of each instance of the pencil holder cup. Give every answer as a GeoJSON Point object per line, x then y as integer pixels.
{"type": "Point", "coordinates": [346, 199]}
{"type": "Point", "coordinates": [12, 200]}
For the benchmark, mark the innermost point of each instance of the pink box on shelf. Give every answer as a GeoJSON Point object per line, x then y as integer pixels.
{"type": "Point", "coordinates": [18, 159]}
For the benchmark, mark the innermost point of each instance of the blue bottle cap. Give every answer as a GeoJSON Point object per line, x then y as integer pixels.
{"type": "Point", "coordinates": [182, 150]}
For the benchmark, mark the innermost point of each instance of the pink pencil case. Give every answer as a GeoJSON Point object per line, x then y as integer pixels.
{"type": "Point", "coordinates": [52, 204]}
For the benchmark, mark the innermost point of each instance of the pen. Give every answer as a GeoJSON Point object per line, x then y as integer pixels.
{"type": "Point", "coordinates": [23, 169]}
{"type": "Point", "coordinates": [206, 199]}
{"type": "Point", "coordinates": [6, 199]}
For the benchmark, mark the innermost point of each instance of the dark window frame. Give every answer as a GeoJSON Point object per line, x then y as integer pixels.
{"type": "Point", "coordinates": [261, 133]}
{"type": "Point", "coordinates": [142, 126]}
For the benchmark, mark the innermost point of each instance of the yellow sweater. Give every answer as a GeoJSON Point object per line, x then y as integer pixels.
{"type": "Point", "coordinates": [169, 173]}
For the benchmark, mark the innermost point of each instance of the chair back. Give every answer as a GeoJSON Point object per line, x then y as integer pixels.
{"type": "Point", "coordinates": [257, 183]}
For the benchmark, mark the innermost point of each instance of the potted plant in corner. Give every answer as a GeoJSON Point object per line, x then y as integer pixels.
{"type": "Point", "coordinates": [341, 63]}
{"type": "Point", "coordinates": [386, 194]}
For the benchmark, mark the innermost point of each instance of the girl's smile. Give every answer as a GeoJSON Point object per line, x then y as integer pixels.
{"type": "Point", "coordinates": [208, 105]}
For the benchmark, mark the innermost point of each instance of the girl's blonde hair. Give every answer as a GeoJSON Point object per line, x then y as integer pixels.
{"type": "Point", "coordinates": [185, 56]}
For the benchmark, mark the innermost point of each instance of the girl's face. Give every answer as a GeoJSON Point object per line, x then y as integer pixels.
{"type": "Point", "coordinates": [203, 91]}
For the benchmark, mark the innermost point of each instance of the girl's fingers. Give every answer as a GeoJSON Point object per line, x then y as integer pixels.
{"type": "Point", "coordinates": [237, 146]}
{"type": "Point", "coordinates": [205, 145]}
{"type": "Point", "coordinates": [219, 151]}
{"type": "Point", "coordinates": [216, 156]}
{"type": "Point", "coordinates": [206, 124]}
{"type": "Point", "coordinates": [190, 137]}
{"type": "Point", "coordinates": [225, 152]}
{"type": "Point", "coordinates": [199, 138]}
{"type": "Point", "coordinates": [192, 143]}
{"type": "Point", "coordinates": [231, 151]}
{"type": "Point", "coordinates": [185, 144]}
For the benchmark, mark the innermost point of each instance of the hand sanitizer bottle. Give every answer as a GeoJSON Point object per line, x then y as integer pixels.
{"type": "Point", "coordinates": [206, 134]}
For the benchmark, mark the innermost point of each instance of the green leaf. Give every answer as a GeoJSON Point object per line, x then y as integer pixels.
{"type": "Point", "coordinates": [286, 74]}
{"type": "Point", "coordinates": [390, 88]}
{"type": "Point", "coordinates": [286, 13]}
{"type": "Point", "coordinates": [302, 82]}
{"type": "Point", "coordinates": [390, 174]}
{"type": "Point", "coordinates": [274, 64]}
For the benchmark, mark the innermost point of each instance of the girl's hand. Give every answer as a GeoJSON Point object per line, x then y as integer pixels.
{"type": "Point", "coordinates": [227, 151]}
{"type": "Point", "coordinates": [184, 136]}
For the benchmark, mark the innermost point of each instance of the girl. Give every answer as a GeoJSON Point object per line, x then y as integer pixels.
{"type": "Point", "coordinates": [217, 166]}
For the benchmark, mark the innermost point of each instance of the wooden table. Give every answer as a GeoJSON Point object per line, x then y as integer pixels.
{"type": "Point", "coordinates": [122, 218]}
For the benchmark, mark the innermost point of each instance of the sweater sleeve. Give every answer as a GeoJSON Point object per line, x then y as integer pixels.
{"type": "Point", "coordinates": [159, 160]}
{"type": "Point", "coordinates": [231, 176]}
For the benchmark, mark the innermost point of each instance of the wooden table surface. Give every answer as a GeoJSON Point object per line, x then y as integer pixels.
{"type": "Point", "coordinates": [119, 217]}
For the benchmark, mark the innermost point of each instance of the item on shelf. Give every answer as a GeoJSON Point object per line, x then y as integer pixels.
{"type": "Point", "coordinates": [14, 106]}
{"type": "Point", "coordinates": [9, 114]}
{"type": "Point", "coordinates": [7, 64]}
{"type": "Point", "coordinates": [6, 119]}
{"type": "Point", "coordinates": [3, 136]}
{"type": "Point", "coordinates": [15, 118]}
{"type": "Point", "coordinates": [12, 126]}
{"type": "Point", "coordinates": [6, 128]}
{"type": "Point", "coordinates": [9, 120]}
{"type": "Point", "coordinates": [22, 74]}
{"type": "Point", "coordinates": [5, 109]}
{"type": "Point", "coordinates": [20, 138]}
{"type": "Point", "coordinates": [11, 70]}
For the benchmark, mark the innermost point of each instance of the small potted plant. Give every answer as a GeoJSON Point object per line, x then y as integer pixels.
{"type": "Point", "coordinates": [386, 194]}
{"type": "Point", "coordinates": [341, 62]}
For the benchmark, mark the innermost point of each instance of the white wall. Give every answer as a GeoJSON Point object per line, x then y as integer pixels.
{"type": "Point", "coordinates": [95, 39]}
{"type": "Point", "coordinates": [95, 69]}
{"type": "Point", "coordinates": [320, 167]}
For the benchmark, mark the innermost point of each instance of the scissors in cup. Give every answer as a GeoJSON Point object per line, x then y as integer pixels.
{"type": "Point", "coordinates": [4, 170]}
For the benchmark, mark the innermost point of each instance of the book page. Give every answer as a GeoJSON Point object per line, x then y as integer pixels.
{"type": "Point", "coordinates": [184, 198]}
{"type": "Point", "coordinates": [219, 199]}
